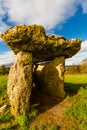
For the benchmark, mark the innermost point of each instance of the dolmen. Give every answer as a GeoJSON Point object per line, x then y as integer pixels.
{"type": "Point", "coordinates": [31, 46]}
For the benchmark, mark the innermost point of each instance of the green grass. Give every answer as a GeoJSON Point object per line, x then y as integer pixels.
{"type": "Point", "coordinates": [24, 121]}
{"type": "Point", "coordinates": [44, 127]}
{"type": "Point", "coordinates": [21, 122]}
{"type": "Point", "coordinates": [76, 78]}
{"type": "Point", "coordinates": [3, 84]}
{"type": "Point", "coordinates": [5, 118]}
{"type": "Point", "coordinates": [73, 82]}
{"type": "Point", "coordinates": [3, 89]}
{"type": "Point", "coordinates": [77, 113]}
{"type": "Point", "coordinates": [76, 89]}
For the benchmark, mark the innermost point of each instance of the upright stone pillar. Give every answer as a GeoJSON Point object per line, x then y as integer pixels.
{"type": "Point", "coordinates": [19, 83]}
{"type": "Point", "coordinates": [50, 79]}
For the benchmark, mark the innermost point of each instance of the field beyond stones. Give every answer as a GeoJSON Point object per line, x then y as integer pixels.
{"type": "Point", "coordinates": [48, 113]}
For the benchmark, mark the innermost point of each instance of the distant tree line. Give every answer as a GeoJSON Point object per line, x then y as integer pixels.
{"type": "Point", "coordinates": [4, 70]}
{"type": "Point", "coordinates": [73, 69]}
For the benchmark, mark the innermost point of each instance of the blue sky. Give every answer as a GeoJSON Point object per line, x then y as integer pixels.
{"type": "Point", "coordinates": [66, 17]}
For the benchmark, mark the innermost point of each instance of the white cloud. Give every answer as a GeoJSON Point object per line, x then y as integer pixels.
{"type": "Point", "coordinates": [84, 5]}
{"type": "Point", "coordinates": [3, 25]}
{"type": "Point", "coordinates": [2, 9]}
{"type": "Point", "coordinates": [48, 13]}
{"type": "Point", "coordinates": [84, 46]}
{"type": "Point", "coordinates": [7, 57]}
{"type": "Point", "coordinates": [45, 12]}
{"type": "Point", "coordinates": [82, 54]}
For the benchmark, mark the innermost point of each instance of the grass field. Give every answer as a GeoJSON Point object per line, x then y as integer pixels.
{"type": "Point", "coordinates": [3, 93]}
{"type": "Point", "coordinates": [74, 118]}
{"type": "Point", "coordinates": [76, 78]}
{"type": "Point", "coordinates": [73, 82]}
{"type": "Point", "coordinates": [5, 119]}
{"type": "Point", "coordinates": [76, 115]}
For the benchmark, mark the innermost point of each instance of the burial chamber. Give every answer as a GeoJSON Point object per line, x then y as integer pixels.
{"type": "Point", "coordinates": [31, 45]}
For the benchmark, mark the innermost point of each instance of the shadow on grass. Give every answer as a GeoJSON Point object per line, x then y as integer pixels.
{"type": "Point", "coordinates": [72, 89]}
{"type": "Point", "coordinates": [43, 102]}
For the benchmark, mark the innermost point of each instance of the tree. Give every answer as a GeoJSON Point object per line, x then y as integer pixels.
{"type": "Point", "coordinates": [73, 69]}
{"type": "Point", "coordinates": [83, 67]}
{"type": "Point", "coordinates": [3, 70]}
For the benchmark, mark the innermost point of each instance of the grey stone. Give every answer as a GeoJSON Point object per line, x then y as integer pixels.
{"type": "Point", "coordinates": [50, 77]}
{"type": "Point", "coordinates": [20, 83]}
{"type": "Point", "coordinates": [2, 109]}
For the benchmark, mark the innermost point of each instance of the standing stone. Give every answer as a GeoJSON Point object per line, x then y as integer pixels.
{"type": "Point", "coordinates": [19, 84]}
{"type": "Point", "coordinates": [50, 79]}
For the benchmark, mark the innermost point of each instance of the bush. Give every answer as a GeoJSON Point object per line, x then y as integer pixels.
{"type": "Point", "coordinates": [4, 70]}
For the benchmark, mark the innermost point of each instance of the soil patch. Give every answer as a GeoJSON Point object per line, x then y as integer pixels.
{"type": "Point", "coordinates": [50, 109]}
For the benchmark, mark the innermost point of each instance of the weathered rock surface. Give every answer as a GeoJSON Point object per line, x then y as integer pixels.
{"type": "Point", "coordinates": [33, 39]}
{"type": "Point", "coordinates": [2, 109]}
{"type": "Point", "coordinates": [50, 77]}
{"type": "Point", "coordinates": [19, 84]}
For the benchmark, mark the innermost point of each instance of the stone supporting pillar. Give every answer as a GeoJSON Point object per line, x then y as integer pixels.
{"type": "Point", "coordinates": [19, 83]}
{"type": "Point", "coordinates": [50, 78]}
